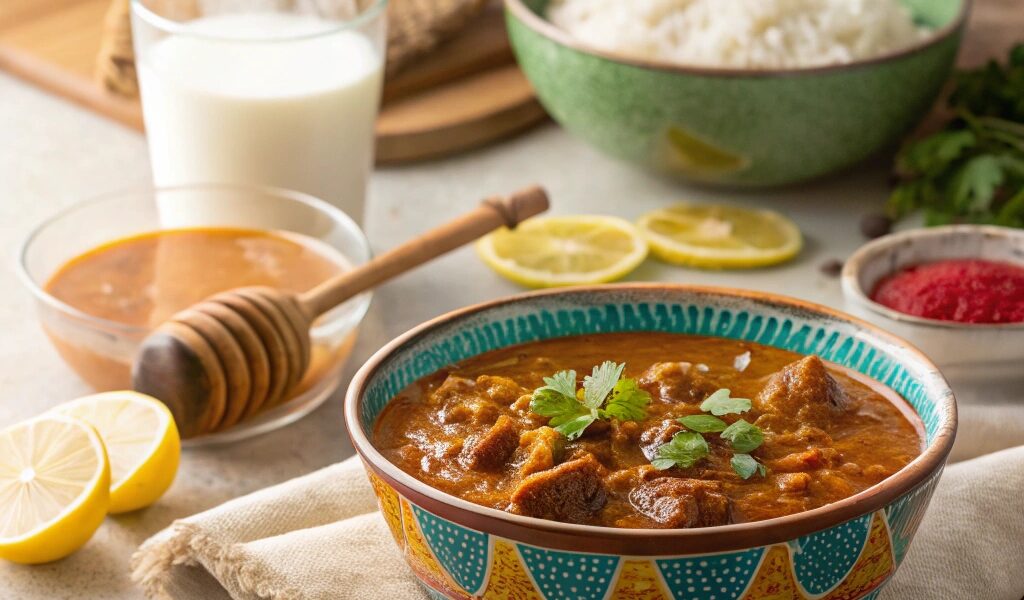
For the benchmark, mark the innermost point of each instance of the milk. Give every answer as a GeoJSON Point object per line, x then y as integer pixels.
{"type": "Point", "coordinates": [245, 98]}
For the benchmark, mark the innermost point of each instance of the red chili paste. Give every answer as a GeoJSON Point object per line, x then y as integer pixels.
{"type": "Point", "coordinates": [966, 291]}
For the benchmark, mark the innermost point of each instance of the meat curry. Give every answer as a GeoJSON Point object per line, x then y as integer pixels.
{"type": "Point", "coordinates": [691, 432]}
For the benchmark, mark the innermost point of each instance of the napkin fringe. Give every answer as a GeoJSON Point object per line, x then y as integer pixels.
{"type": "Point", "coordinates": [152, 562]}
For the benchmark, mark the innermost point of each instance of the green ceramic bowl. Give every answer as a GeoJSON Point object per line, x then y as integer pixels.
{"type": "Point", "coordinates": [729, 126]}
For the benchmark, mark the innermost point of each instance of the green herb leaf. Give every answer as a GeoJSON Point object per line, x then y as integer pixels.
{"type": "Point", "coordinates": [975, 183]}
{"type": "Point", "coordinates": [720, 404]}
{"type": "Point", "coordinates": [628, 402]}
{"type": "Point", "coordinates": [744, 436]}
{"type": "Point", "coordinates": [703, 423]}
{"type": "Point", "coordinates": [972, 170]}
{"type": "Point", "coordinates": [573, 426]}
{"type": "Point", "coordinates": [685, 450]}
{"type": "Point", "coordinates": [746, 465]}
{"type": "Point", "coordinates": [562, 382]}
{"type": "Point", "coordinates": [549, 402]}
{"type": "Point", "coordinates": [599, 384]}
{"type": "Point", "coordinates": [572, 411]}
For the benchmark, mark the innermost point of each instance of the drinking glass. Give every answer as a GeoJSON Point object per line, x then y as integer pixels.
{"type": "Point", "coordinates": [270, 92]}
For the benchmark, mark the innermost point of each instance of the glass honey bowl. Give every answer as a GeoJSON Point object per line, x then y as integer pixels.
{"type": "Point", "coordinates": [99, 331]}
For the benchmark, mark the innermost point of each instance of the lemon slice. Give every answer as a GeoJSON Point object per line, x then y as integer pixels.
{"type": "Point", "coordinates": [720, 237]}
{"type": "Point", "coordinates": [557, 251]}
{"type": "Point", "coordinates": [54, 488]}
{"type": "Point", "coordinates": [142, 442]}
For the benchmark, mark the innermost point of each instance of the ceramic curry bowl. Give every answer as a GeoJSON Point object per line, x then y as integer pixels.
{"type": "Point", "coordinates": [729, 126]}
{"type": "Point", "coordinates": [847, 549]}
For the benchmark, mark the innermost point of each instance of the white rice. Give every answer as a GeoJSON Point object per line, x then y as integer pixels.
{"type": "Point", "coordinates": [746, 34]}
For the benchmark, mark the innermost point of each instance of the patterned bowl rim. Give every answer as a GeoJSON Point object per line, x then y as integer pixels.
{"type": "Point", "coordinates": [548, 30]}
{"type": "Point", "coordinates": [649, 542]}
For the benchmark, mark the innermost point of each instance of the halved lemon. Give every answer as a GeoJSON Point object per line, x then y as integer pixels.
{"type": "Point", "coordinates": [559, 251]}
{"type": "Point", "coordinates": [54, 488]}
{"type": "Point", "coordinates": [714, 236]}
{"type": "Point", "coordinates": [142, 442]}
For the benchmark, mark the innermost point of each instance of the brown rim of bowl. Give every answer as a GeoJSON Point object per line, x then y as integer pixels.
{"type": "Point", "coordinates": [547, 29]}
{"type": "Point", "coordinates": [649, 542]}
{"type": "Point", "coordinates": [850, 276]}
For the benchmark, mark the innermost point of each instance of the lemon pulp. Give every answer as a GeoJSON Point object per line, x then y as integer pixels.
{"type": "Point", "coordinates": [559, 251]}
{"type": "Point", "coordinates": [719, 236]}
{"type": "Point", "coordinates": [54, 488]}
{"type": "Point", "coordinates": [142, 443]}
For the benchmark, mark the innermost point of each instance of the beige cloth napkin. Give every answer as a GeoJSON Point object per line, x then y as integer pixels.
{"type": "Point", "coordinates": [320, 536]}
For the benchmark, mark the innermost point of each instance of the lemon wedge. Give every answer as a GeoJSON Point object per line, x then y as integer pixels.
{"type": "Point", "coordinates": [559, 251]}
{"type": "Point", "coordinates": [715, 236]}
{"type": "Point", "coordinates": [54, 488]}
{"type": "Point", "coordinates": [142, 442]}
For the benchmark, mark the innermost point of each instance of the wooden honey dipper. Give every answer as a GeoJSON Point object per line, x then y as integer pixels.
{"type": "Point", "coordinates": [237, 352]}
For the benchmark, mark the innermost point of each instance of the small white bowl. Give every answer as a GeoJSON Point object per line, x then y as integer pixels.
{"type": "Point", "coordinates": [963, 351]}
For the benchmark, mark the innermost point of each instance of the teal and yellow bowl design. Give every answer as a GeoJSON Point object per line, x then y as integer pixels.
{"type": "Point", "coordinates": [736, 127]}
{"type": "Point", "coordinates": [848, 549]}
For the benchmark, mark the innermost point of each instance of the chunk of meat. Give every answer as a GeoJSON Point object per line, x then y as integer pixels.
{"type": "Point", "coordinates": [654, 437]}
{"type": "Point", "coordinates": [674, 503]}
{"type": "Point", "coordinates": [477, 411]}
{"type": "Point", "coordinates": [572, 492]}
{"type": "Point", "coordinates": [541, 449]}
{"type": "Point", "coordinates": [500, 390]}
{"type": "Point", "coordinates": [793, 483]}
{"type": "Point", "coordinates": [803, 391]}
{"type": "Point", "coordinates": [807, 460]}
{"type": "Point", "coordinates": [452, 388]}
{"type": "Point", "coordinates": [493, 449]}
{"type": "Point", "coordinates": [674, 382]}
{"type": "Point", "coordinates": [461, 402]}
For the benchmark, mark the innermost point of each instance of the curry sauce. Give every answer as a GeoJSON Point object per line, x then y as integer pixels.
{"type": "Point", "coordinates": [469, 431]}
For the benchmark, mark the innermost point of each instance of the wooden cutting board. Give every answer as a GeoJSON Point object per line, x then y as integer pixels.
{"type": "Point", "coordinates": [467, 93]}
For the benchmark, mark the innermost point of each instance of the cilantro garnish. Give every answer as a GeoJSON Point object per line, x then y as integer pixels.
{"type": "Point", "coordinates": [604, 396]}
{"type": "Point", "coordinates": [703, 423]}
{"type": "Point", "coordinates": [746, 465]}
{"type": "Point", "coordinates": [720, 403]}
{"type": "Point", "coordinates": [972, 171]}
{"type": "Point", "coordinates": [689, 447]}
{"type": "Point", "coordinates": [684, 451]}
{"type": "Point", "coordinates": [744, 436]}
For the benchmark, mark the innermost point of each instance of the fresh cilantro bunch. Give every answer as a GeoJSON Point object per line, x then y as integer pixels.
{"type": "Point", "coordinates": [973, 170]}
{"type": "Point", "coordinates": [603, 396]}
{"type": "Point", "coordinates": [687, 448]}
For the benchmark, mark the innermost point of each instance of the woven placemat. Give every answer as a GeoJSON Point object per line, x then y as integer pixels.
{"type": "Point", "coordinates": [415, 27]}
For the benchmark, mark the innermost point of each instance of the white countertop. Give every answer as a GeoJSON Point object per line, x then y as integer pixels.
{"type": "Point", "coordinates": [53, 154]}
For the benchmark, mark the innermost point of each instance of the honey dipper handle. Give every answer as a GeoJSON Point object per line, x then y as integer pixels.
{"type": "Point", "coordinates": [488, 216]}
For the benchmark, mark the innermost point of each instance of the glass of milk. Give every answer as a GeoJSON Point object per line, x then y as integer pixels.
{"type": "Point", "coordinates": [271, 92]}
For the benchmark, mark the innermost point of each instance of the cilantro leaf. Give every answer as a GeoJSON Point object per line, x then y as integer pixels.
{"type": "Point", "coordinates": [548, 402]}
{"type": "Point", "coordinates": [571, 411]}
{"type": "Point", "coordinates": [572, 427]}
{"type": "Point", "coordinates": [685, 450]}
{"type": "Point", "coordinates": [972, 170]}
{"type": "Point", "coordinates": [720, 404]}
{"type": "Point", "coordinates": [703, 423]}
{"type": "Point", "coordinates": [746, 465]}
{"type": "Point", "coordinates": [600, 382]}
{"type": "Point", "coordinates": [628, 402]}
{"type": "Point", "coordinates": [562, 382]}
{"type": "Point", "coordinates": [975, 183]}
{"type": "Point", "coordinates": [744, 436]}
